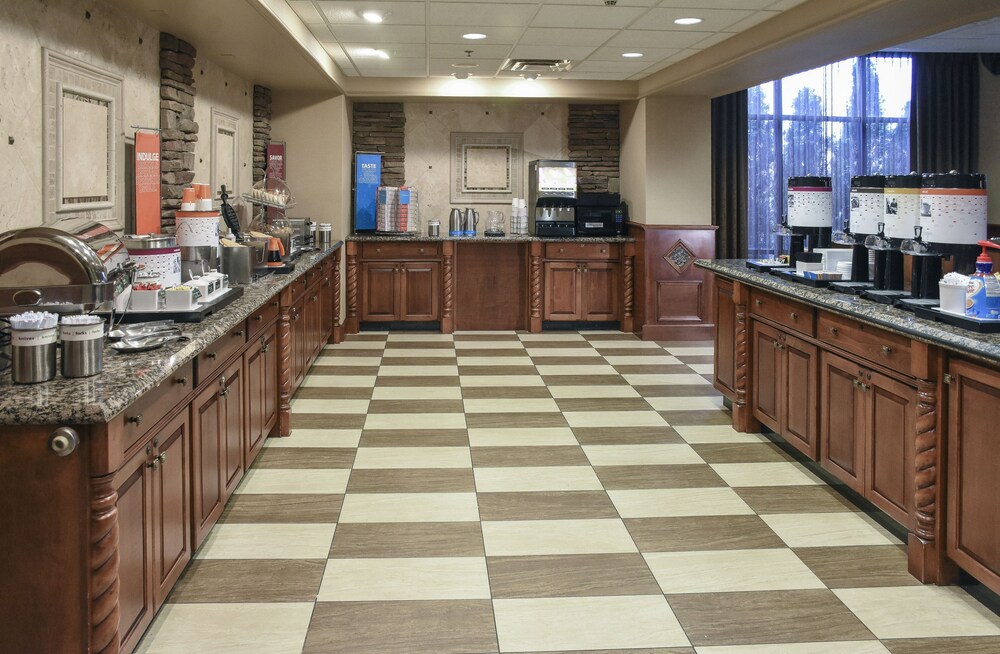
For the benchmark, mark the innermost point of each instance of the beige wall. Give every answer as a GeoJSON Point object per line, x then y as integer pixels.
{"type": "Point", "coordinates": [989, 139]}
{"type": "Point", "coordinates": [633, 158]}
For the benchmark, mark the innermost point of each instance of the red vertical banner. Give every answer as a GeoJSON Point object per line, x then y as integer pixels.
{"type": "Point", "coordinates": [147, 183]}
{"type": "Point", "coordinates": [275, 168]}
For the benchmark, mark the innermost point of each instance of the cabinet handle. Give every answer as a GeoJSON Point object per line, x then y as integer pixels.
{"type": "Point", "coordinates": [154, 464]}
{"type": "Point", "coordinates": [793, 316]}
{"type": "Point", "coordinates": [212, 355]}
{"type": "Point", "coordinates": [265, 349]}
{"type": "Point", "coordinates": [421, 250]}
{"type": "Point", "coordinates": [886, 350]}
{"type": "Point", "coordinates": [63, 441]}
{"type": "Point", "coordinates": [378, 250]}
{"type": "Point", "coordinates": [156, 442]}
{"type": "Point", "coordinates": [258, 318]}
{"type": "Point", "coordinates": [561, 250]}
{"type": "Point", "coordinates": [313, 298]}
{"type": "Point", "coordinates": [759, 303]}
{"type": "Point", "coordinates": [136, 419]}
{"type": "Point", "coordinates": [274, 304]}
{"type": "Point", "coordinates": [834, 331]}
{"type": "Point", "coordinates": [224, 392]}
{"type": "Point", "coordinates": [181, 381]}
{"type": "Point", "coordinates": [603, 251]}
{"type": "Point", "coordinates": [238, 334]}
{"type": "Point", "coordinates": [162, 457]}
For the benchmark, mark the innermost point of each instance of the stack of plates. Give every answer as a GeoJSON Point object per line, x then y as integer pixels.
{"type": "Point", "coordinates": [844, 267]}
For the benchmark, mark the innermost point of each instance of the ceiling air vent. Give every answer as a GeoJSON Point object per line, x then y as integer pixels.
{"type": "Point", "coordinates": [537, 65]}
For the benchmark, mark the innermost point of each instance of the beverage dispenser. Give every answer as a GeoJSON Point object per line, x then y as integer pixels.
{"type": "Point", "coordinates": [552, 197]}
{"type": "Point", "coordinates": [866, 213]}
{"type": "Point", "coordinates": [902, 209]}
{"type": "Point", "coordinates": [809, 221]}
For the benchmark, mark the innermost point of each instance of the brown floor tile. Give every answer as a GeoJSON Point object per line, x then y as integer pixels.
{"type": "Point", "coordinates": [493, 371]}
{"type": "Point", "coordinates": [670, 344]}
{"type": "Point", "coordinates": [246, 581]}
{"type": "Point", "coordinates": [351, 352]}
{"type": "Point", "coordinates": [379, 338]}
{"type": "Point", "coordinates": [413, 437]}
{"type": "Point", "coordinates": [290, 509]}
{"type": "Point", "coordinates": [495, 457]}
{"type": "Point", "coordinates": [688, 418]}
{"type": "Point", "coordinates": [626, 435]}
{"type": "Point", "coordinates": [555, 345]}
{"type": "Point", "coordinates": [560, 505]}
{"type": "Point", "coordinates": [792, 616]}
{"type": "Point", "coordinates": [603, 404]}
{"type": "Point", "coordinates": [658, 476]}
{"type": "Point", "coordinates": [423, 627]}
{"type": "Point", "coordinates": [624, 336]}
{"type": "Point", "coordinates": [421, 480]}
{"type": "Point", "coordinates": [741, 452]}
{"type": "Point", "coordinates": [727, 532]}
{"type": "Point", "coordinates": [328, 420]}
{"type": "Point", "coordinates": [654, 650]}
{"type": "Point", "coordinates": [585, 575]}
{"type": "Point", "coordinates": [858, 567]}
{"type": "Point", "coordinates": [640, 369]}
{"type": "Point", "coordinates": [423, 406]}
{"type": "Point", "coordinates": [514, 420]}
{"type": "Point", "coordinates": [306, 457]}
{"type": "Point", "coordinates": [389, 360]}
{"type": "Point", "coordinates": [487, 337]}
{"type": "Point", "coordinates": [515, 350]}
{"type": "Point", "coordinates": [630, 352]}
{"type": "Point", "coordinates": [549, 360]}
{"type": "Point", "coordinates": [345, 393]}
{"type": "Point", "coordinates": [680, 390]}
{"type": "Point", "coordinates": [691, 360]}
{"type": "Point", "coordinates": [407, 539]}
{"type": "Point", "coordinates": [362, 371]}
{"type": "Point", "coordinates": [434, 380]}
{"type": "Point", "coordinates": [795, 499]}
{"type": "Point", "coordinates": [969, 645]}
{"type": "Point", "coordinates": [418, 345]}
{"type": "Point", "coordinates": [504, 392]}
{"type": "Point", "coordinates": [584, 380]}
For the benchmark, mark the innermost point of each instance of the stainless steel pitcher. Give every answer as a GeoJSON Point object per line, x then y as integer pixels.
{"type": "Point", "coordinates": [471, 222]}
{"type": "Point", "coordinates": [456, 224]}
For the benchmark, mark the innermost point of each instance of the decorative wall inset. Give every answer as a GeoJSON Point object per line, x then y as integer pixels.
{"type": "Point", "coordinates": [486, 167]}
{"type": "Point", "coordinates": [380, 127]}
{"type": "Point", "coordinates": [595, 146]}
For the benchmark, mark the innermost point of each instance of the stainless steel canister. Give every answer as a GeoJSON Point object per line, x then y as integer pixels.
{"type": "Point", "coordinates": [434, 228]}
{"type": "Point", "coordinates": [238, 263]}
{"type": "Point", "coordinates": [34, 355]}
{"type": "Point", "coordinates": [82, 349]}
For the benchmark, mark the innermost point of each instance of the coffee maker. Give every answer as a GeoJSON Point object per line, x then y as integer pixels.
{"type": "Point", "coordinates": [552, 197]}
{"type": "Point", "coordinates": [809, 220]}
{"type": "Point", "coordinates": [867, 209]}
{"type": "Point", "coordinates": [902, 209]}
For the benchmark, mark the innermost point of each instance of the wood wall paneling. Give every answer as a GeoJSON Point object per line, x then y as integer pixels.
{"type": "Point", "coordinates": [490, 286]}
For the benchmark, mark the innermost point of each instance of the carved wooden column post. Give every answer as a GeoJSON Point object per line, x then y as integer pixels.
{"type": "Point", "coordinates": [628, 288]}
{"type": "Point", "coordinates": [535, 290]}
{"type": "Point", "coordinates": [285, 364]}
{"type": "Point", "coordinates": [743, 420]}
{"type": "Point", "coordinates": [337, 335]}
{"type": "Point", "coordinates": [351, 323]}
{"type": "Point", "coordinates": [448, 290]}
{"type": "Point", "coordinates": [104, 607]}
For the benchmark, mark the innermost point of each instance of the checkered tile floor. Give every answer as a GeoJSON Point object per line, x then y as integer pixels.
{"type": "Point", "coordinates": [503, 492]}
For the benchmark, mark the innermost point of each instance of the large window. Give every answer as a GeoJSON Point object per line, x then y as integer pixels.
{"type": "Point", "coordinates": [848, 118]}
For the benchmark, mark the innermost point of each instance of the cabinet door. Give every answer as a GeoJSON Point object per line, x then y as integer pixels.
{"type": "Point", "coordinates": [270, 400]}
{"type": "Point", "coordinates": [800, 361]}
{"type": "Point", "coordinates": [380, 291]}
{"type": "Point", "coordinates": [298, 343]}
{"type": "Point", "coordinates": [725, 338]}
{"type": "Point", "coordinates": [233, 390]}
{"type": "Point", "coordinates": [315, 312]}
{"type": "Point", "coordinates": [420, 291]}
{"type": "Point", "coordinates": [171, 505]}
{"type": "Point", "coordinates": [599, 291]}
{"type": "Point", "coordinates": [842, 422]}
{"type": "Point", "coordinates": [326, 308]}
{"type": "Point", "coordinates": [135, 539]}
{"type": "Point", "coordinates": [891, 417]}
{"type": "Point", "coordinates": [255, 400]}
{"type": "Point", "coordinates": [767, 376]}
{"type": "Point", "coordinates": [208, 422]}
{"type": "Point", "coordinates": [562, 290]}
{"type": "Point", "coordinates": [973, 462]}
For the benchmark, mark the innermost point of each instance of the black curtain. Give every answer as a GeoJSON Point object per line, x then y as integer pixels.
{"type": "Point", "coordinates": [944, 112]}
{"type": "Point", "coordinates": [729, 175]}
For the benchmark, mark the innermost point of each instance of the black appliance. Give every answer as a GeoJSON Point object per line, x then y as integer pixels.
{"type": "Point", "coordinates": [601, 214]}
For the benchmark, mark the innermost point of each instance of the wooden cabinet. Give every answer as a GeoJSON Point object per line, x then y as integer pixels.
{"type": "Point", "coordinates": [866, 433]}
{"type": "Point", "coordinates": [154, 526]}
{"type": "Point", "coordinates": [725, 338]}
{"type": "Point", "coordinates": [784, 386]}
{"type": "Point", "coordinates": [581, 290]}
{"type": "Point", "coordinates": [973, 517]}
{"type": "Point", "coordinates": [401, 291]}
{"type": "Point", "coordinates": [261, 360]}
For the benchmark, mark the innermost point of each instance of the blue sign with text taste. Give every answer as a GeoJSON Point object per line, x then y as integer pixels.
{"type": "Point", "coordinates": [367, 177]}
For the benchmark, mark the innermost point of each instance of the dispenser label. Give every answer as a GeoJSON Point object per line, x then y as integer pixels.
{"type": "Point", "coordinates": [367, 178]}
{"type": "Point", "coordinates": [32, 337]}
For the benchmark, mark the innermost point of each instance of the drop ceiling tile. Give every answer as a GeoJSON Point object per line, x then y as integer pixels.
{"type": "Point", "coordinates": [624, 66]}
{"type": "Point", "coordinates": [656, 39]}
{"type": "Point", "coordinates": [650, 55]}
{"type": "Point", "coordinates": [713, 20]}
{"type": "Point", "coordinates": [717, 4]}
{"type": "Point", "coordinates": [306, 10]}
{"type": "Point", "coordinates": [565, 36]}
{"type": "Point", "coordinates": [376, 34]}
{"type": "Point", "coordinates": [457, 50]}
{"type": "Point", "coordinates": [586, 16]}
{"type": "Point", "coordinates": [453, 34]}
{"type": "Point", "coordinates": [394, 13]}
{"type": "Point", "coordinates": [321, 32]}
{"type": "Point", "coordinates": [598, 3]}
{"type": "Point", "coordinates": [394, 50]}
{"type": "Point", "coordinates": [391, 67]}
{"type": "Point", "coordinates": [573, 53]}
{"type": "Point", "coordinates": [711, 39]}
{"type": "Point", "coordinates": [481, 14]}
{"type": "Point", "coordinates": [487, 67]}
{"type": "Point", "coordinates": [782, 5]}
{"type": "Point", "coordinates": [755, 19]}
{"type": "Point", "coordinates": [594, 76]}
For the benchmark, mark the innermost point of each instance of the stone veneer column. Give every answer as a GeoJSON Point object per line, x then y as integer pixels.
{"type": "Point", "coordinates": [261, 130]}
{"type": "Point", "coordinates": [378, 127]}
{"type": "Point", "coordinates": [594, 144]}
{"type": "Point", "coordinates": [178, 131]}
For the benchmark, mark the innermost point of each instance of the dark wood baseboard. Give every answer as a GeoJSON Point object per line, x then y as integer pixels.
{"type": "Point", "coordinates": [699, 332]}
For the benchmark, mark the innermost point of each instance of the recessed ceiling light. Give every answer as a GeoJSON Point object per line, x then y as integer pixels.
{"type": "Point", "coordinates": [687, 21]}
{"type": "Point", "coordinates": [462, 75]}
{"type": "Point", "coordinates": [372, 16]}
{"type": "Point", "coordinates": [632, 55]}
{"type": "Point", "coordinates": [371, 52]}
{"type": "Point", "coordinates": [474, 36]}
{"type": "Point", "coordinates": [465, 65]}
{"type": "Point", "coordinates": [531, 77]}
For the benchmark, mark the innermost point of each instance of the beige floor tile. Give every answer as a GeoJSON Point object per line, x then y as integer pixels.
{"type": "Point", "coordinates": [348, 361]}
{"type": "Point", "coordinates": [356, 345]}
{"type": "Point", "coordinates": [615, 419]}
{"type": "Point", "coordinates": [707, 403]}
{"type": "Point", "coordinates": [410, 507]}
{"type": "Point", "coordinates": [383, 579]}
{"type": "Point", "coordinates": [317, 438]}
{"type": "Point", "coordinates": [825, 529]}
{"type": "Point", "coordinates": [494, 361]}
{"type": "Point", "coordinates": [678, 502]}
{"type": "Point", "coordinates": [920, 612]}
{"type": "Point", "coordinates": [765, 474]}
{"type": "Point", "coordinates": [415, 420]}
{"type": "Point", "coordinates": [395, 337]}
{"type": "Point", "coordinates": [536, 478]}
{"type": "Point", "coordinates": [412, 457]}
{"type": "Point", "coordinates": [844, 647]}
{"type": "Point", "coordinates": [626, 345]}
{"type": "Point", "coordinates": [528, 338]}
{"type": "Point", "coordinates": [538, 437]}
{"type": "Point", "coordinates": [666, 380]}
{"type": "Point", "coordinates": [420, 353]}
{"type": "Point", "coordinates": [519, 405]}
{"type": "Point", "coordinates": [596, 369]}
{"type": "Point", "coordinates": [277, 481]}
{"type": "Point", "coordinates": [625, 455]}
{"type": "Point", "coordinates": [417, 393]}
{"type": "Point", "coordinates": [544, 352]}
{"type": "Point", "coordinates": [358, 540]}
{"type": "Point", "coordinates": [418, 371]}
{"type": "Point", "coordinates": [702, 368]}
{"type": "Point", "coordinates": [592, 392]}
{"type": "Point", "coordinates": [488, 345]}
{"type": "Point", "coordinates": [501, 380]}
{"type": "Point", "coordinates": [586, 623]}
{"type": "Point", "coordinates": [329, 406]}
{"type": "Point", "coordinates": [542, 537]}
{"type": "Point", "coordinates": [267, 541]}
{"type": "Point", "coordinates": [716, 434]}
{"type": "Point", "coordinates": [339, 381]}
{"type": "Point", "coordinates": [273, 628]}
{"type": "Point", "coordinates": [651, 359]}
{"type": "Point", "coordinates": [690, 351]}
{"type": "Point", "coordinates": [728, 571]}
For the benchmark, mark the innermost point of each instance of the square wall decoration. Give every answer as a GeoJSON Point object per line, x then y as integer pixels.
{"type": "Point", "coordinates": [486, 167]}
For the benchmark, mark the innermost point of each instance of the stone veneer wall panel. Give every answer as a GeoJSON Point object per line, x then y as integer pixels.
{"type": "Point", "coordinates": [261, 130]}
{"type": "Point", "coordinates": [178, 131]}
{"type": "Point", "coordinates": [380, 127]}
{"type": "Point", "coordinates": [595, 145]}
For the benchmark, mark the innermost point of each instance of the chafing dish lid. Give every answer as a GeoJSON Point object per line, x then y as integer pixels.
{"type": "Point", "coordinates": [43, 256]}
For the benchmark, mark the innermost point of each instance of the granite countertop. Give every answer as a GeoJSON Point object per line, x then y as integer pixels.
{"type": "Point", "coordinates": [985, 347]}
{"type": "Point", "coordinates": [479, 238]}
{"type": "Point", "coordinates": [126, 377]}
